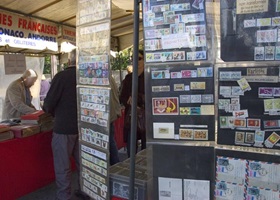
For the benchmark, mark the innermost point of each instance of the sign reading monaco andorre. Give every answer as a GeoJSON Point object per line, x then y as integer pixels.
{"type": "Point", "coordinates": [25, 32]}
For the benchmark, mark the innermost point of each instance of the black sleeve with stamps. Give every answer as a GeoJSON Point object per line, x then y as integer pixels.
{"type": "Point", "coordinates": [249, 34]}
{"type": "Point", "coordinates": [251, 118]}
{"type": "Point", "coordinates": [182, 102]}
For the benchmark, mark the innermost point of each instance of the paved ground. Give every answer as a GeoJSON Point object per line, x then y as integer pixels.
{"type": "Point", "coordinates": [48, 192]}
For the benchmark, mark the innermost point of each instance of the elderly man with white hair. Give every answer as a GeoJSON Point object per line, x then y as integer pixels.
{"type": "Point", "coordinates": [18, 97]}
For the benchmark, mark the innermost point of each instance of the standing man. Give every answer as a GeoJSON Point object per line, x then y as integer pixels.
{"type": "Point", "coordinates": [115, 113]}
{"type": "Point", "coordinates": [61, 102]}
{"type": "Point", "coordinates": [18, 97]}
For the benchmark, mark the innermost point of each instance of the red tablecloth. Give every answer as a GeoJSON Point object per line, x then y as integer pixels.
{"type": "Point", "coordinates": [26, 165]}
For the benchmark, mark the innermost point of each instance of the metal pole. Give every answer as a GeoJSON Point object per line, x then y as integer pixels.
{"type": "Point", "coordinates": [134, 99]}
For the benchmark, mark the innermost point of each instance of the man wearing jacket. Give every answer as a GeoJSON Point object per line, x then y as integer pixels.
{"type": "Point", "coordinates": [18, 97]}
{"type": "Point", "coordinates": [61, 102]}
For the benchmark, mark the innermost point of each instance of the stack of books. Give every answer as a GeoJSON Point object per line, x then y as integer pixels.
{"type": "Point", "coordinates": [40, 118]}
{"type": "Point", "coordinates": [5, 133]}
{"type": "Point", "coordinates": [21, 131]}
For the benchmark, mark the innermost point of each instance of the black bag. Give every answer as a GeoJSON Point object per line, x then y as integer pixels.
{"type": "Point", "coordinates": [141, 125]}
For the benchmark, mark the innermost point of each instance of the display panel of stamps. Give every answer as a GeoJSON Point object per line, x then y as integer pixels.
{"type": "Point", "coordinates": [94, 172]}
{"type": "Point", "coordinates": [182, 102]}
{"type": "Point", "coordinates": [93, 10]}
{"type": "Point", "coordinates": [94, 45]}
{"type": "Point", "coordinates": [94, 124]}
{"type": "Point", "coordinates": [250, 30]}
{"type": "Point", "coordinates": [249, 106]}
{"type": "Point", "coordinates": [176, 31]}
{"type": "Point", "coordinates": [242, 175]}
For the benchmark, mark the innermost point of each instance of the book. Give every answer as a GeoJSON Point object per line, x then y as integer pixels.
{"type": "Point", "coordinates": [6, 135]}
{"type": "Point", "coordinates": [37, 115]}
{"type": "Point", "coordinates": [37, 120]}
{"type": "Point", "coordinates": [21, 131]}
{"type": "Point", "coordinates": [4, 128]}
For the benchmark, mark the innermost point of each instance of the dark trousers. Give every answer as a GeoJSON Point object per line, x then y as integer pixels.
{"type": "Point", "coordinates": [63, 147]}
{"type": "Point", "coordinates": [114, 154]}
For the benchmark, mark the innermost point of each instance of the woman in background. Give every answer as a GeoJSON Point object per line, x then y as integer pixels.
{"type": "Point", "coordinates": [126, 100]}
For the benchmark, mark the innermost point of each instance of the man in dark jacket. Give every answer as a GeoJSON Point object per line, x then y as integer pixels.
{"type": "Point", "coordinates": [61, 102]}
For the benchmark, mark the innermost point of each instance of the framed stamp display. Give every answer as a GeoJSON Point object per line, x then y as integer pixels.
{"type": "Point", "coordinates": [250, 30]}
{"type": "Point", "coordinates": [248, 106]}
{"type": "Point", "coordinates": [176, 31]}
{"type": "Point", "coordinates": [182, 102]}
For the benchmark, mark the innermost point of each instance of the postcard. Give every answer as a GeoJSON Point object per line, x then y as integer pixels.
{"type": "Point", "coordinates": [261, 193]}
{"type": "Point", "coordinates": [231, 170]}
{"type": "Point", "coordinates": [176, 75]}
{"type": "Point", "coordinates": [264, 174]}
{"type": "Point", "coordinates": [170, 188]}
{"type": "Point", "coordinates": [225, 190]}
{"type": "Point", "coordinates": [166, 56]}
{"type": "Point", "coordinates": [163, 130]}
{"type": "Point", "coordinates": [237, 91]}
{"type": "Point", "coordinates": [196, 189]}
{"type": "Point", "coordinates": [158, 21]}
{"type": "Point", "coordinates": [165, 106]}
{"type": "Point", "coordinates": [259, 136]}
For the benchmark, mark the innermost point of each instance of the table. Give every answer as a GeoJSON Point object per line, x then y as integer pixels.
{"type": "Point", "coordinates": [26, 165]}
